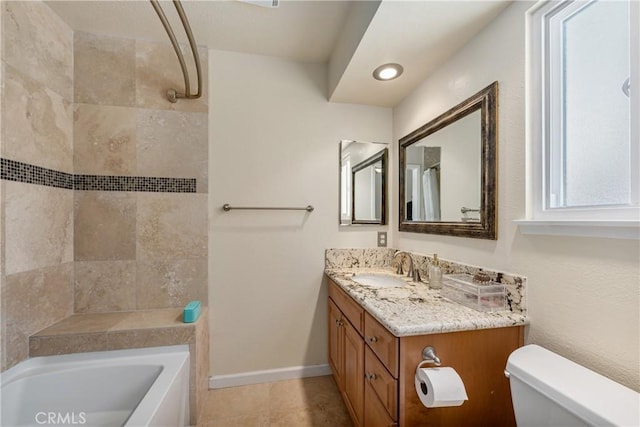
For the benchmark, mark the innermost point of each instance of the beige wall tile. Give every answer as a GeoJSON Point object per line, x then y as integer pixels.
{"type": "Point", "coordinates": [38, 226]}
{"type": "Point", "coordinates": [104, 70]}
{"type": "Point", "coordinates": [171, 283]}
{"type": "Point", "coordinates": [149, 337]}
{"type": "Point", "coordinates": [173, 144]}
{"type": "Point", "coordinates": [158, 69]}
{"type": "Point", "coordinates": [37, 298]}
{"type": "Point", "coordinates": [39, 44]}
{"type": "Point", "coordinates": [105, 223]}
{"type": "Point", "coordinates": [104, 140]}
{"type": "Point", "coordinates": [104, 286]}
{"type": "Point", "coordinates": [171, 226]}
{"type": "Point", "coordinates": [73, 343]}
{"type": "Point", "coordinates": [201, 367]}
{"type": "Point", "coordinates": [38, 123]}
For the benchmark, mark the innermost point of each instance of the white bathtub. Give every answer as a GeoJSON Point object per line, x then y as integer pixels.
{"type": "Point", "coordinates": [140, 387]}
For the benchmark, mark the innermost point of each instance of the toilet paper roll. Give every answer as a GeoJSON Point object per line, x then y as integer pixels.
{"type": "Point", "coordinates": [439, 387]}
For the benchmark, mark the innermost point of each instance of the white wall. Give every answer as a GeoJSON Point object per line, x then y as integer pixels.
{"type": "Point", "coordinates": [274, 141]}
{"type": "Point", "coordinates": [583, 293]}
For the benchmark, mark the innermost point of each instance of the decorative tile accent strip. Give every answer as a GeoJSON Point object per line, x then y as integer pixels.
{"type": "Point", "coordinates": [134, 183]}
{"type": "Point", "coordinates": [31, 174]}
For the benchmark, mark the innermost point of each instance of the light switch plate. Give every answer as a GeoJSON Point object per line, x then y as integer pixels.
{"type": "Point", "coordinates": [382, 239]}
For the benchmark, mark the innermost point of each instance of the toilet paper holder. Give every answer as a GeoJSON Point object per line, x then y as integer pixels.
{"type": "Point", "coordinates": [429, 356]}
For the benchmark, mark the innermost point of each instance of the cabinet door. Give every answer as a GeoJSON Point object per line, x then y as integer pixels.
{"type": "Point", "coordinates": [381, 382]}
{"type": "Point", "coordinates": [375, 415]}
{"type": "Point", "coordinates": [336, 344]}
{"type": "Point", "coordinates": [354, 372]}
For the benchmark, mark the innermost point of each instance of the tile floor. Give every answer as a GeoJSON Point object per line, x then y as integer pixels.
{"type": "Point", "coordinates": [308, 402]}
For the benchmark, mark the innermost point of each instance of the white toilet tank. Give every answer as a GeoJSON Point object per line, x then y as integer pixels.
{"type": "Point", "coordinates": [549, 390]}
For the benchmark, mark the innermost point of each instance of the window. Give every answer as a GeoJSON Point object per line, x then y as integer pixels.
{"type": "Point", "coordinates": [583, 126]}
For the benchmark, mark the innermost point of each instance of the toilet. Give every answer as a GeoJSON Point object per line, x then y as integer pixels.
{"type": "Point", "coordinates": [549, 390]}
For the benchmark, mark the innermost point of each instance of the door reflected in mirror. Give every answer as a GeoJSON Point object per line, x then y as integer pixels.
{"type": "Point", "coordinates": [449, 158]}
{"type": "Point", "coordinates": [363, 169]}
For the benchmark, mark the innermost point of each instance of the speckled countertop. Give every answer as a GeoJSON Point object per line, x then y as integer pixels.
{"type": "Point", "coordinates": [417, 310]}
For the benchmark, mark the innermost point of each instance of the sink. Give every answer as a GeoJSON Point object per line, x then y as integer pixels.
{"type": "Point", "coordinates": [379, 280]}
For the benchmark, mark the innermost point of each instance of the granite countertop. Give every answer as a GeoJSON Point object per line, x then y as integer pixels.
{"type": "Point", "coordinates": [417, 310]}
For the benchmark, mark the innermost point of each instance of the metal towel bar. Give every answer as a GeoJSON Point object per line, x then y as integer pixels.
{"type": "Point", "coordinates": [227, 207]}
{"type": "Point", "coordinates": [465, 210]}
{"type": "Point", "coordinates": [172, 94]}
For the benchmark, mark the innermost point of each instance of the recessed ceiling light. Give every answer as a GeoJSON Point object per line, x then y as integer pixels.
{"type": "Point", "coordinates": [388, 71]}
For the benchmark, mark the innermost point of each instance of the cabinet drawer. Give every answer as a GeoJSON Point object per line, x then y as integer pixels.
{"type": "Point", "coordinates": [352, 311]}
{"type": "Point", "coordinates": [382, 383]}
{"type": "Point", "coordinates": [375, 415]}
{"type": "Point", "coordinates": [382, 342]}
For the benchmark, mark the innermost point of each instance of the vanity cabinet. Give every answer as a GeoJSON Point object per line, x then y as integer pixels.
{"type": "Point", "coordinates": [346, 359]}
{"type": "Point", "coordinates": [373, 403]}
{"type": "Point", "coordinates": [375, 370]}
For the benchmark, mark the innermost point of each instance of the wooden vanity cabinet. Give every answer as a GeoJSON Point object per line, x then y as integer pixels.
{"type": "Point", "coordinates": [479, 357]}
{"type": "Point", "coordinates": [346, 359]}
{"type": "Point", "coordinates": [374, 370]}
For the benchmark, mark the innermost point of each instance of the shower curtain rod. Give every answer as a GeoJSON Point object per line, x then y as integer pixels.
{"type": "Point", "coordinates": [172, 94]}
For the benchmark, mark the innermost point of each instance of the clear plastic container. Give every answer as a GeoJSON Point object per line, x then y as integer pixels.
{"type": "Point", "coordinates": [461, 289]}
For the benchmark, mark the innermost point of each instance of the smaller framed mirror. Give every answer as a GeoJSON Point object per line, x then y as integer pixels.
{"type": "Point", "coordinates": [363, 187]}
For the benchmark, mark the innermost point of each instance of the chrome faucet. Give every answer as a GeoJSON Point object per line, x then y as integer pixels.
{"type": "Point", "coordinates": [414, 273]}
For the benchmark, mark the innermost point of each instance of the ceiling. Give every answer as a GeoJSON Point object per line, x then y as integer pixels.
{"type": "Point", "coordinates": [417, 34]}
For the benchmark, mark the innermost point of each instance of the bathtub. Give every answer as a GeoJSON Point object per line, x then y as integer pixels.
{"type": "Point", "coordinates": [139, 387]}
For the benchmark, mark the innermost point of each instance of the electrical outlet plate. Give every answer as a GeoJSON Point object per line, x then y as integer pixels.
{"type": "Point", "coordinates": [382, 239]}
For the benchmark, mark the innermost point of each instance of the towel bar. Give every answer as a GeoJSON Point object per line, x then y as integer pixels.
{"type": "Point", "coordinates": [227, 207]}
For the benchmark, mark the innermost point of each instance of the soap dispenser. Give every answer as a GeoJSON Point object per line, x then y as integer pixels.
{"type": "Point", "coordinates": [435, 274]}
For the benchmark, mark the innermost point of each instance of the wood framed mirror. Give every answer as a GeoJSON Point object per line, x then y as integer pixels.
{"type": "Point", "coordinates": [363, 182]}
{"type": "Point", "coordinates": [448, 176]}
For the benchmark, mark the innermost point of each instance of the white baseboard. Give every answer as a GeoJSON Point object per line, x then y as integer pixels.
{"type": "Point", "coordinates": [271, 375]}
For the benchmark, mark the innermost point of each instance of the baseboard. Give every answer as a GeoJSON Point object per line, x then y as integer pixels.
{"type": "Point", "coordinates": [271, 375]}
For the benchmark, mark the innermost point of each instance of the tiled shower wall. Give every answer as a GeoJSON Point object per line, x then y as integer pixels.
{"type": "Point", "coordinates": [142, 249]}
{"type": "Point", "coordinates": [37, 129]}
{"type": "Point", "coordinates": [118, 219]}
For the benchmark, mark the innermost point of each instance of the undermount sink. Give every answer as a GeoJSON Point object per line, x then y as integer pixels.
{"type": "Point", "coordinates": [379, 280]}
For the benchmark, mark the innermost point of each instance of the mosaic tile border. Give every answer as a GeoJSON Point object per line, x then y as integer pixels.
{"type": "Point", "coordinates": [23, 172]}
{"type": "Point", "coordinates": [31, 174]}
{"type": "Point", "coordinates": [134, 183]}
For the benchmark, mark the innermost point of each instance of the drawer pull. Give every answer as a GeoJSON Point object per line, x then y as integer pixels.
{"type": "Point", "coordinates": [373, 339]}
{"type": "Point", "coordinates": [339, 322]}
{"type": "Point", "coordinates": [370, 377]}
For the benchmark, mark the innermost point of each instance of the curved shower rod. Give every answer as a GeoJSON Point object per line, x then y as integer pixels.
{"type": "Point", "coordinates": [172, 94]}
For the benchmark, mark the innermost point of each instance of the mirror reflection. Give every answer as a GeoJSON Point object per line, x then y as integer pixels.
{"type": "Point", "coordinates": [448, 171]}
{"type": "Point", "coordinates": [363, 167]}
{"type": "Point", "coordinates": [447, 159]}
